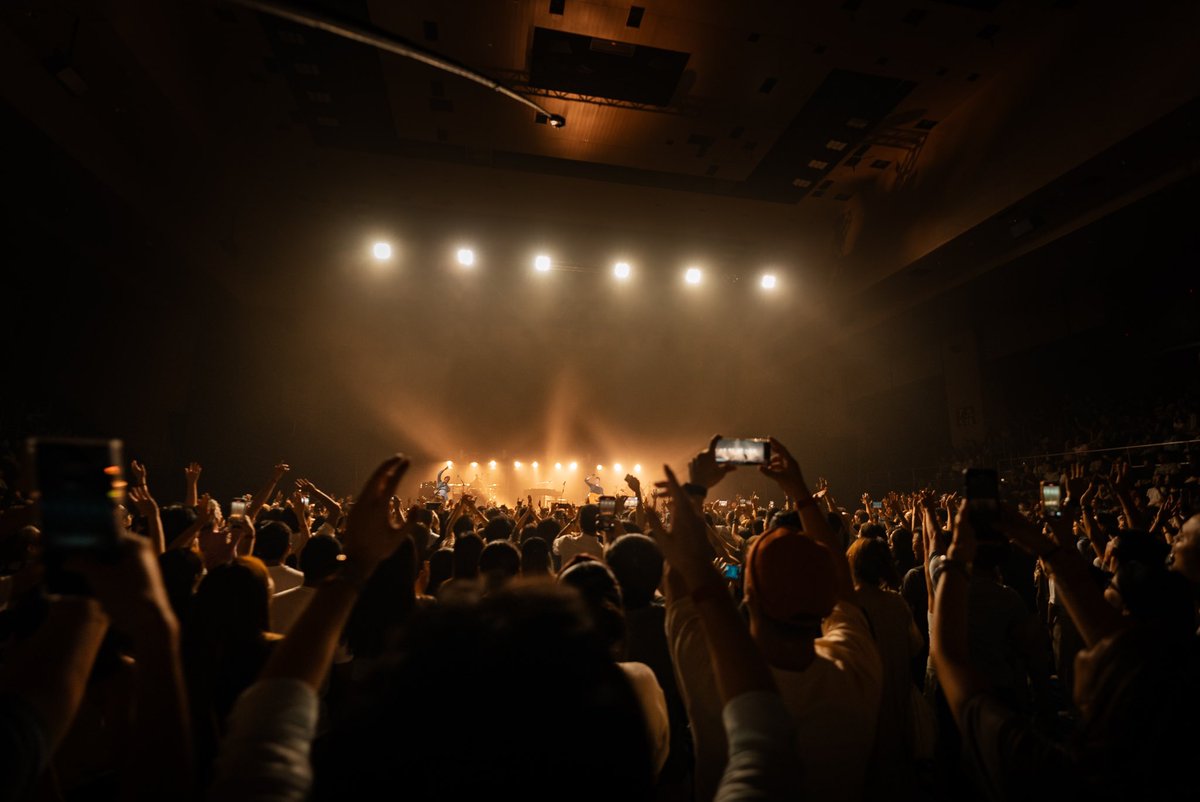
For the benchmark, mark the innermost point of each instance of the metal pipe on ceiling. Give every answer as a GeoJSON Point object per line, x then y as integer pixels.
{"type": "Point", "coordinates": [392, 44]}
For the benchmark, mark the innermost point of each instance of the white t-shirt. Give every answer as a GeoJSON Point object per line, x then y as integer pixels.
{"type": "Point", "coordinates": [568, 546]}
{"type": "Point", "coordinates": [654, 708]}
{"type": "Point", "coordinates": [287, 606]}
{"type": "Point", "coordinates": [285, 577]}
{"type": "Point", "coordinates": [834, 702]}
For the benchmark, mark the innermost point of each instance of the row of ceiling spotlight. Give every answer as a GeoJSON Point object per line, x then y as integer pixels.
{"type": "Point", "coordinates": [382, 252]}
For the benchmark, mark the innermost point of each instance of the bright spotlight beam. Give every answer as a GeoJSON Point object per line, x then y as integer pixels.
{"type": "Point", "coordinates": [621, 270]}
{"type": "Point", "coordinates": [541, 263]}
{"type": "Point", "coordinates": [465, 256]}
{"type": "Point", "coordinates": [768, 281]}
{"type": "Point", "coordinates": [693, 275]}
{"type": "Point", "coordinates": [382, 251]}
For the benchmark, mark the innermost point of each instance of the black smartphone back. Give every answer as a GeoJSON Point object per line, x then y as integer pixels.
{"type": "Point", "coordinates": [981, 488]}
{"type": "Point", "coordinates": [78, 485]}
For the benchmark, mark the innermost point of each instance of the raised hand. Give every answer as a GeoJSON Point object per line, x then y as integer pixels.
{"type": "Point", "coordinates": [137, 474]}
{"type": "Point", "coordinates": [1077, 483]}
{"type": "Point", "coordinates": [963, 546]}
{"type": "Point", "coordinates": [281, 469]}
{"type": "Point", "coordinates": [142, 501]}
{"type": "Point", "coordinates": [634, 483]}
{"type": "Point", "coordinates": [685, 545]}
{"type": "Point", "coordinates": [704, 470]}
{"type": "Point", "coordinates": [784, 469]}
{"type": "Point", "coordinates": [371, 534]}
{"type": "Point", "coordinates": [1023, 532]}
{"type": "Point", "coordinates": [192, 474]}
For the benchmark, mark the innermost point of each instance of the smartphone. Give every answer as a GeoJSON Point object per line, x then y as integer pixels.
{"type": "Point", "coordinates": [1052, 499]}
{"type": "Point", "coordinates": [237, 506]}
{"type": "Point", "coordinates": [877, 505]}
{"type": "Point", "coordinates": [607, 504]}
{"type": "Point", "coordinates": [733, 572]}
{"type": "Point", "coordinates": [981, 488]}
{"type": "Point", "coordinates": [743, 451]}
{"type": "Point", "coordinates": [723, 502]}
{"type": "Point", "coordinates": [631, 503]}
{"type": "Point", "coordinates": [79, 486]}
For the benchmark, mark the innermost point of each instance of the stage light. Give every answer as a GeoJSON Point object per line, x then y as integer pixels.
{"type": "Point", "coordinates": [621, 270]}
{"type": "Point", "coordinates": [768, 281]}
{"type": "Point", "coordinates": [516, 463]}
{"type": "Point", "coordinates": [474, 464]}
{"type": "Point", "coordinates": [692, 276]}
{"type": "Point", "coordinates": [558, 466]}
{"type": "Point", "coordinates": [466, 257]}
{"type": "Point", "coordinates": [534, 464]}
{"type": "Point", "coordinates": [599, 467]}
{"type": "Point", "coordinates": [381, 251]}
{"type": "Point", "coordinates": [574, 465]}
{"type": "Point", "coordinates": [492, 465]}
{"type": "Point", "coordinates": [637, 469]}
{"type": "Point", "coordinates": [542, 263]}
{"type": "Point", "coordinates": [617, 467]}
{"type": "Point", "coordinates": [449, 463]}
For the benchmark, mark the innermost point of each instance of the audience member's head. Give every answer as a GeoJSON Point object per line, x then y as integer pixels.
{"type": "Point", "coordinates": [321, 557]}
{"type": "Point", "coordinates": [233, 601]}
{"type": "Point", "coordinates": [871, 564]}
{"type": "Point", "coordinates": [517, 749]}
{"type": "Point", "coordinates": [441, 570]}
{"type": "Point", "coordinates": [789, 586]}
{"type": "Point", "coordinates": [602, 595]}
{"type": "Point", "coordinates": [637, 562]}
{"type": "Point", "coordinates": [273, 542]}
{"type": "Point", "coordinates": [535, 558]}
{"type": "Point", "coordinates": [467, 549]}
{"type": "Point", "coordinates": [498, 528]}
{"type": "Point", "coordinates": [589, 518]}
{"type": "Point", "coordinates": [182, 570]}
{"type": "Point", "coordinates": [499, 562]}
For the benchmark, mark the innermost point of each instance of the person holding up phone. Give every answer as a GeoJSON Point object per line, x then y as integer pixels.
{"type": "Point", "coordinates": [804, 621]}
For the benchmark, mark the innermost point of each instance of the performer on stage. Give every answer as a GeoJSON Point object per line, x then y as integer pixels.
{"type": "Point", "coordinates": [443, 485]}
{"type": "Point", "coordinates": [593, 483]}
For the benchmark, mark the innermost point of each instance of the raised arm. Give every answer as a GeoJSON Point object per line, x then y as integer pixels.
{"type": "Point", "coordinates": [1095, 618]}
{"type": "Point", "coordinates": [49, 673]}
{"type": "Point", "coordinates": [306, 653]}
{"type": "Point", "coordinates": [333, 508]}
{"type": "Point", "coordinates": [259, 500]}
{"type": "Point", "coordinates": [132, 593]}
{"type": "Point", "coordinates": [191, 493]}
{"type": "Point", "coordinates": [139, 495]}
{"type": "Point", "coordinates": [950, 578]}
{"type": "Point", "coordinates": [762, 762]}
{"type": "Point", "coordinates": [784, 469]}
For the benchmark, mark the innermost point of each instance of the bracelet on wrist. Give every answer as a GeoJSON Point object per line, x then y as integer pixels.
{"type": "Point", "coordinates": [940, 565]}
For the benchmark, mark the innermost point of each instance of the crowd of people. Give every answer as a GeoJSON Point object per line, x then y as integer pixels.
{"type": "Point", "coordinates": [919, 645]}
